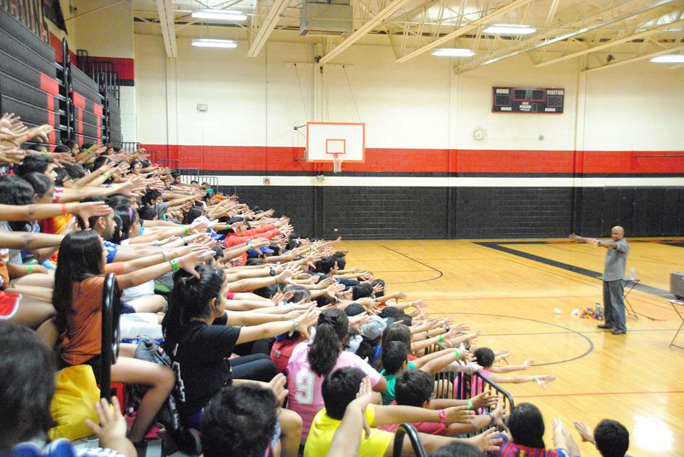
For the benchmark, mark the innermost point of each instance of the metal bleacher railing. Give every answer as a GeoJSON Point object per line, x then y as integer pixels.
{"type": "Point", "coordinates": [462, 386]}
{"type": "Point", "coordinates": [409, 430]}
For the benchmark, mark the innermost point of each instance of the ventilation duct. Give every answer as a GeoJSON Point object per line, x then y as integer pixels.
{"type": "Point", "coordinates": [331, 17]}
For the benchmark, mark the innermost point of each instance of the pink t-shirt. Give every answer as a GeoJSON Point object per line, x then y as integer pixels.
{"type": "Point", "coordinates": [305, 386]}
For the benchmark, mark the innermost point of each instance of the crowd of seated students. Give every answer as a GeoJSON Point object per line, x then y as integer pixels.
{"type": "Point", "coordinates": [250, 314]}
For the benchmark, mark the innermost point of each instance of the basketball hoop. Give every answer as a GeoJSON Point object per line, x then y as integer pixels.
{"type": "Point", "coordinates": [337, 163]}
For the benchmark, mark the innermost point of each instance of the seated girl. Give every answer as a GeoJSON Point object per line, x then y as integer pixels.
{"type": "Point", "coordinates": [310, 363]}
{"type": "Point", "coordinates": [77, 298]}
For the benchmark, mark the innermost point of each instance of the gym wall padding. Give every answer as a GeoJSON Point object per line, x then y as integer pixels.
{"type": "Point", "coordinates": [28, 76]}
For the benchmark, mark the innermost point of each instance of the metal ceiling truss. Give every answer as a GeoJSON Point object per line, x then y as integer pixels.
{"type": "Point", "coordinates": [264, 23]}
{"type": "Point", "coordinates": [167, 23]}
{"type": "Point", "coordinates": [615, 15]}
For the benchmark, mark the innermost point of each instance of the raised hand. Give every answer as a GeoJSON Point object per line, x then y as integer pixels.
{"type": "Point", "coordinates": [461, 414]}
{"type": "Point", "coordinates": [112, 428]}
{"type": "Point", "coordinates": [91, 209]}
{"type": "Point", "coordinates": [584, 431]}
{"type": "Point", "coordinates": [543, 379]}
{"type": "Point", "coordinates": [277, 385]}
{"type": "Point", "coordinates": [306, 321]}
{"type": "Point", "coordinates": [485, 441]}
{"type": "Point", "coordinates": [484, 399]}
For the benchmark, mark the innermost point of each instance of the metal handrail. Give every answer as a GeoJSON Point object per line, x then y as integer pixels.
{"type": "Point", "coordinates": [111, 313]}
{"type": "Point", "coordinates": [416, 443]}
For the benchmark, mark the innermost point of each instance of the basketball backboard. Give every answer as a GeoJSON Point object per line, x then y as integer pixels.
{"type": "Point", "coordinates": [329, 142]}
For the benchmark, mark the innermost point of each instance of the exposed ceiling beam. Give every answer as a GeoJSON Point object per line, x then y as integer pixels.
{"type": "Point", "coordinates": [266, 28]}
{"type": "Point", "coordinates": [375, 21]}
{"type": "Point", "coordinates": [582, 26]}
{"type": "Point", "coordinates": [552, 13]}
{"type": "Point", "coordinates": [465, 29]}
{"type": "Point", "coordinates": [610, 44]}
{"type": "Point", "coordinates": [168, 27]}
{"type": "Point", "coordinates": [635, 59]}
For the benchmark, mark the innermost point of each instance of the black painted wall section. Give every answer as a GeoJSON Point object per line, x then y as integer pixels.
{"type": "Point", "coordinates": [366, 213]}
{"type": "Point", "coordinates": [642, 211]}
{"type": "Point", "coordinates": [484, 212]}
{"type": "Point", "coordinates": [295, 202]}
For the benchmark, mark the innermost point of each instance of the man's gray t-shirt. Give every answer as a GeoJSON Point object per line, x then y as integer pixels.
{"type": "Point", "coordinates": [616, 261]}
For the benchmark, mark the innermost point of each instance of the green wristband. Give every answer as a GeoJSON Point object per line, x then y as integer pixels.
{"type": "Point", "coordinates": [470, 404]}
{"type": "Point", "coordinates": [441, 339]}
{"type": "Point", "coordinates": [186, 231]}
{"type": "Point", "coordinates": [174, 264]}
{"type": "Point", "coordinates": [30, 269]}
{"type": "Point", "coordinates": [534, 379]}
{"type": "Point", "coordinates": [457, 354]}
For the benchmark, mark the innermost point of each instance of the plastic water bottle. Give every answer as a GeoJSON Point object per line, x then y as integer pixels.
{"type": "Point", "coordinates": [632, 273]}
{"type": "Point", "coordinates": [599, 311]}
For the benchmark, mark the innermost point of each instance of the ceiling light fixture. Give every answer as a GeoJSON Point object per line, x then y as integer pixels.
{"type": "Point", "coordinates": [220, 15]}
{"type": "Point", "coordinates": [509, 29]}
{"type": "Point", "coordinates": [669, 58]}
{"type": "Point", "coordinates": [453, 52]}
{"type": "Point", "coordinates": [212, 43]}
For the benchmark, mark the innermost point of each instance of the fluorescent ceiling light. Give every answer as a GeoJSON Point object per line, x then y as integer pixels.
{"type": "Point", "coordinates": [453, 52]}
{"type": "Point", "coordinates": [510, 29]}
{"type": "Point", "coordinates": [669, 58]}
{"type": "Point", "coordinates": [211, 43]}
{"type": "Point", "coordinates": [220, 15]}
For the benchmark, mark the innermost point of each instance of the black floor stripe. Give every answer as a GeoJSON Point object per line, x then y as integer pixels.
{"type": "Point", "coordinates": [566, 266]}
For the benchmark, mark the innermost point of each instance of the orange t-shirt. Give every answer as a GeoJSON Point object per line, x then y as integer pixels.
{"type": "Point", "coordinates": [83, 338]}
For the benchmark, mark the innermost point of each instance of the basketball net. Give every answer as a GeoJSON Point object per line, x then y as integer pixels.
{"type": "Point", "coordinates": [337, 163]}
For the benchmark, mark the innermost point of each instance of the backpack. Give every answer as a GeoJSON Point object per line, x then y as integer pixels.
{"type": "Point", "coordinates": [182, 438]}
{"type": "Point", "coordinates": [149, 350]}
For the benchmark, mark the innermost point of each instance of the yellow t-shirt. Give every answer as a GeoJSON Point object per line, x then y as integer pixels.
{"type": "Point", "coordinates": [323, 430]}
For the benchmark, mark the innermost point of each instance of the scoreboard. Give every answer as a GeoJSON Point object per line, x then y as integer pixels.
{"type": "Point", "coordinates": [527, 100]}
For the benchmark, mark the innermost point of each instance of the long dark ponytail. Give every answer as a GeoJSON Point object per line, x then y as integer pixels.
{"type": "Point", "coordinates": [332, 327]}
{"type": "Point", "coordinates": [80, 257]}
{"type": "Point", "coordinates": [190, 298]}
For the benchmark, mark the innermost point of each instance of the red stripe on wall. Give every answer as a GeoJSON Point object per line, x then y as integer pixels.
{"type": "Point", "coordinates": [256, 158]}
{"type": "Point", "coordinates": [56, 44]}
{"type": "Point", "coordinates": [97, 109]}
{"type": "Point", "coordinates": [124, 67]}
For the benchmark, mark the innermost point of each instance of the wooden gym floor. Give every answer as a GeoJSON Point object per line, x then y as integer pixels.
{"type": "Point", "coordinates": [510, 289]}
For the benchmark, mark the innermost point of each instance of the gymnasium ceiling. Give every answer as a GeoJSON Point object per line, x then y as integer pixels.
{"type": "Point", "coordinates": [601, 33]}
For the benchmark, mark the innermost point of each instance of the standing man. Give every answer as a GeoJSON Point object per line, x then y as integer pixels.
{"type": "Point", "coordinates": [613, 272]}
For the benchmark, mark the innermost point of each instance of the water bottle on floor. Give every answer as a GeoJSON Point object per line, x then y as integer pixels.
{"type": "Point", "coordinates": [599, 312]}
{"type": "Point", "coordinates": [632, 273]}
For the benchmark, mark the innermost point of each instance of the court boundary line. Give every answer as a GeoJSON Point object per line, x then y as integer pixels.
{"type": "Point", "coordinates": [586, 338]}
{"type": "Point", "coordinates": [441, 274]}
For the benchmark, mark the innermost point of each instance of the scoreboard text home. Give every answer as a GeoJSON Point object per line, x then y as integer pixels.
{"type": "Point", "coordinates": [527, 100]}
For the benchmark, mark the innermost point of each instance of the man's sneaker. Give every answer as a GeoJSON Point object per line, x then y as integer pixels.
{"type": "Point", "coordinates": [605, 326]}
{"type": "Point", "coordinates": [618, 332]}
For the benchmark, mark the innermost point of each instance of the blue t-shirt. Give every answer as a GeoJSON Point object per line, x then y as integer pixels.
{"type": "Point", "coordinates": [58, 448]}
{"type": "Point", "coordinates": [112, 249]}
